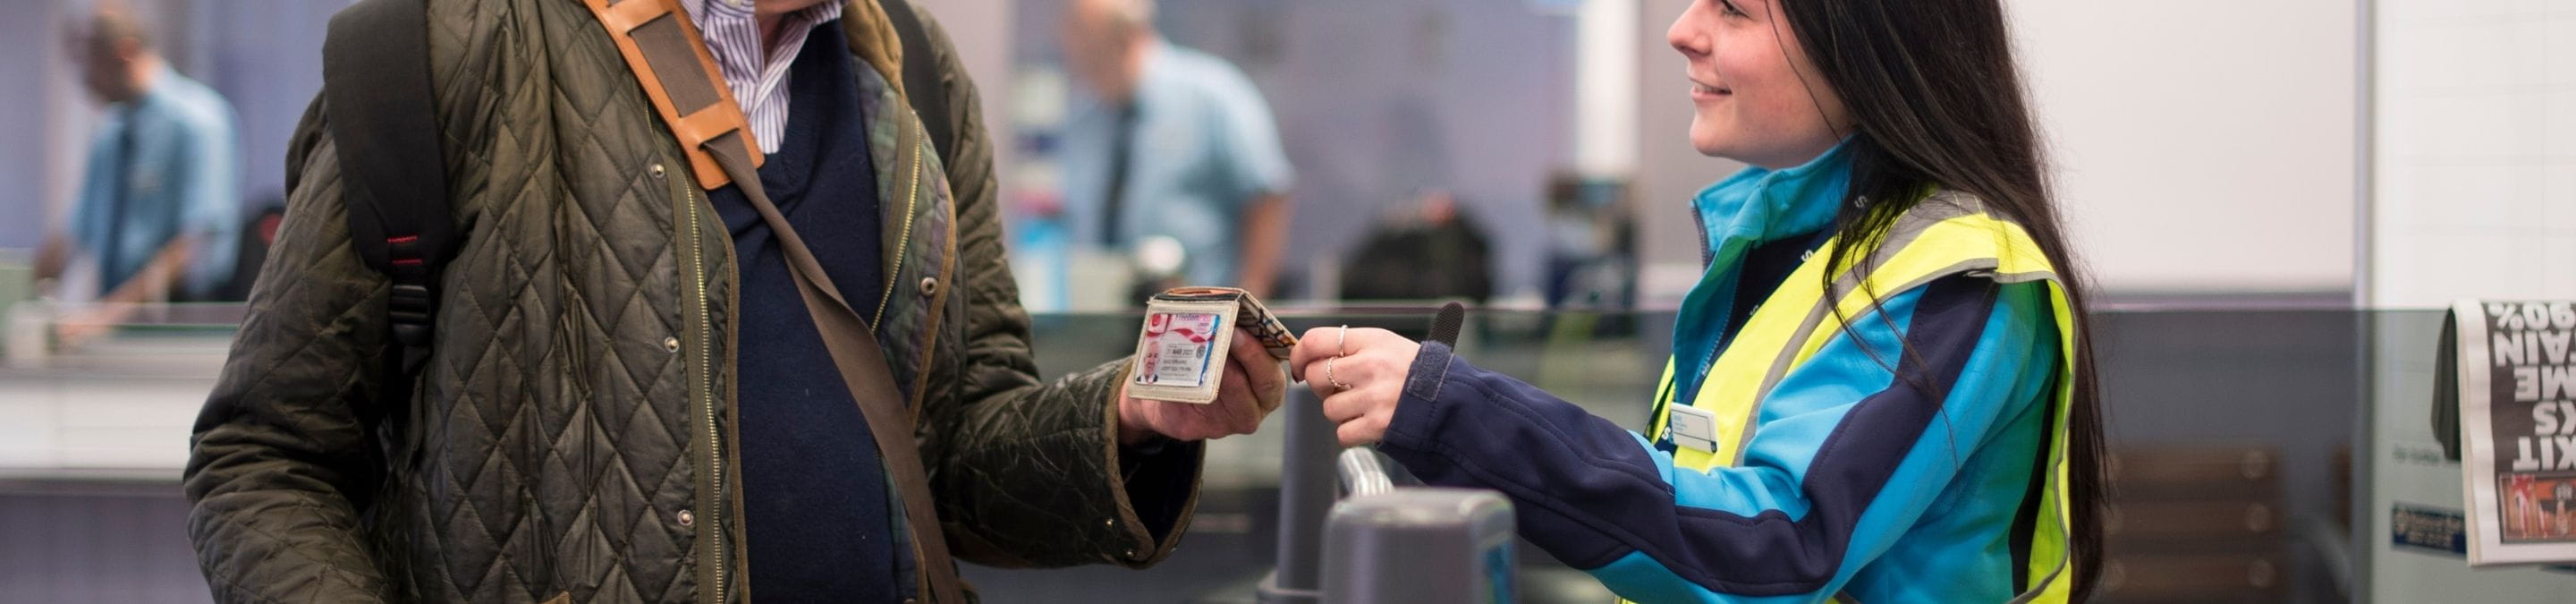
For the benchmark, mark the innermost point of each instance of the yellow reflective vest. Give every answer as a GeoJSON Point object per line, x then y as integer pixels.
{"type": "Point", "coordinates": [1946, 234]}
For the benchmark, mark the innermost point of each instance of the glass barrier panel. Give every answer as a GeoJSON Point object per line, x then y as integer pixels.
{"type": "Point", "coordinates": [2233, 435]}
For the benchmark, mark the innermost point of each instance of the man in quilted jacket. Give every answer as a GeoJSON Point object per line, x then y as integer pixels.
{"type": "Point", "coordinates": [625, 399]}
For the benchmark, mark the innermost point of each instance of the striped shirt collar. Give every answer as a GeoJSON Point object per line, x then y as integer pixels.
{"type": "Point", "coordinates": [757, 75]}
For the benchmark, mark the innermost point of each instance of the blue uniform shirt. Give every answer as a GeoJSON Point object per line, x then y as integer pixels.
{"type": "Point", "coordinates": [163, 166]}
{"type": "Point", "coordinates": [1204, 145]}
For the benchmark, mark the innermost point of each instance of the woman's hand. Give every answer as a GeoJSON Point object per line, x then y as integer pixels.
{"type": "Point", "coordinates": [1360, 372]}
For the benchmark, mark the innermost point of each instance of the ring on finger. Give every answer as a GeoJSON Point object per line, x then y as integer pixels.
{"type": "Point", "coordinates": [1329, 378]}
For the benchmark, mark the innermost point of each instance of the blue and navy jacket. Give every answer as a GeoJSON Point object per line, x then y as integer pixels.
{"type": "Point", "coordinates": [1861, 481]}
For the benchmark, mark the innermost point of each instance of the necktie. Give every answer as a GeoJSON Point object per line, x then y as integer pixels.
{"type": "Point", "coordinates": [1122, 151]}
{"type": "Point", "coordinates": [121, 186]}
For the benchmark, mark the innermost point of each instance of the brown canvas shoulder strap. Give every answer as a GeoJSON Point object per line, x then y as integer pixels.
{"type": "Point", "coordinates": [720, 149]}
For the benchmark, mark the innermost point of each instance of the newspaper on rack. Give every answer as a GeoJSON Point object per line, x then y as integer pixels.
{"type": "Point", "coordinates": [2514, 375]}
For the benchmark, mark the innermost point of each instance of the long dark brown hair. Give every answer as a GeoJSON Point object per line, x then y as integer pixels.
{"type": "Point", "coordinates": [1936, 102]}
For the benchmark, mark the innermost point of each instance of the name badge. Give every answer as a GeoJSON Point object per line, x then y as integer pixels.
{"type": "Point", "coordinates": [1692, 428]}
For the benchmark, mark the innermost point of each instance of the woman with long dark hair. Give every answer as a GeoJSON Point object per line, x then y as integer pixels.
{"type": "Point", "coordinates": [1878, 389]}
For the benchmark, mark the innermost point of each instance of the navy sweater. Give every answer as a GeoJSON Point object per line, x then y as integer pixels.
{"type": "Point", "coordinates": [815, 502]}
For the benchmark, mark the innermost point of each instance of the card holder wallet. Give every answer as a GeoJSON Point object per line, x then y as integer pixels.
{"type": "Point", "coordinates": [1181, 351]}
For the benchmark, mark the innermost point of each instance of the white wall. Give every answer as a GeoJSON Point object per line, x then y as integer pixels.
{"type": "Point", "coordinates": [2201, 148]}
{"type": "Point", "coordinates": [1605, 78]}
{"type": "Point", "coordinates": [2475, 173]}
{"type": "Point", "coordinates": [2198, 150]}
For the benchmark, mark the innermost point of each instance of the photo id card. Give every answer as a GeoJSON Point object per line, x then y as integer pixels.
{"type": "Point", "coordinates": [1183, 349]}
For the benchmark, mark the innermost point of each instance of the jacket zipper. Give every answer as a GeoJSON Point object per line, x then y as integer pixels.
{"type": "Point", "coordinates": [711, 527]}
{"type": "Point", "coordinates": [902, 242]}
{"type": "Point", "coordinates": [1707, 261]}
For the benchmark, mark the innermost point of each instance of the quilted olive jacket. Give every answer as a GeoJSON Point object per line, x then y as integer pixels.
{"type": "Point", "coordinates": [571, 437]}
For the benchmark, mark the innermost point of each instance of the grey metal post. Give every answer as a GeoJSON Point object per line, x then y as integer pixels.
{"type": "Point", "coordinates": [1306, 492]}
{"type": "Point", "coordinates": [1420, 545]}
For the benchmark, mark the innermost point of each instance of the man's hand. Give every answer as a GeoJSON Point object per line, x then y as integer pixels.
{"type": "Point", "coordinates": [1251, 388]}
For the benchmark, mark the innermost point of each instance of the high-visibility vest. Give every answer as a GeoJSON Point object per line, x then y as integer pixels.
{"type": "Point", "coordinates": [1946, 234]}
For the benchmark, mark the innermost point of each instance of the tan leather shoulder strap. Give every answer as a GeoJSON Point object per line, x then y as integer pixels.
{"type": "Point", "coordinates": [663, 49]}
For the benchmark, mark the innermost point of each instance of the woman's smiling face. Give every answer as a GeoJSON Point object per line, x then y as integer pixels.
{"type": "Point", "coordinates": [1757, 98]}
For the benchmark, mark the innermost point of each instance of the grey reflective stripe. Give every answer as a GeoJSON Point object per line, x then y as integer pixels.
{"type": "Point", "coordinates": [1909, 227]}
{"type": "Point", "coordinates": [1779, 368]}
{"type": "Point", "coordinates": [1815, 318]}
{"type": "Point", "coordinates": [2041, 586]}
{"type": "Point", "coordinates": [2057, 457]}
{"type": "Point", "coordinates": [2032, 594]}
{"type": "Point", "coordinates": [2029, 277]}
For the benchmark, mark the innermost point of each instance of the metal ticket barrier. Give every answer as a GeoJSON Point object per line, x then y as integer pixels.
{"type": "Point", "coordinates": [1381, 541]}
{"type": "Point", "coordinates": [1429, 545]}
{"type": "Point", "coordinates": [1306, 486]}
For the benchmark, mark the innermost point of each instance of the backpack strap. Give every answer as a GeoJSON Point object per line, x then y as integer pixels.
{"type": "Point", "coordinates": [921, 80]}
{"type": "Point", "coordinates": [376, 94]}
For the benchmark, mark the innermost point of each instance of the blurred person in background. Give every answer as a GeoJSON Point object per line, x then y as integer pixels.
{"type": "Point", "coordinates": [1174, 142]}
{"type": "Point", "coordinates": [626, 397]}
{"type": "Point", "coordinates": [158, 216]}
{"type": "Point", "coordinates": [1880, 390]}
{"type": "Point", "coordinates": [1591, 244]}
{"type": "Point", "coordinates": [1433, 249]}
